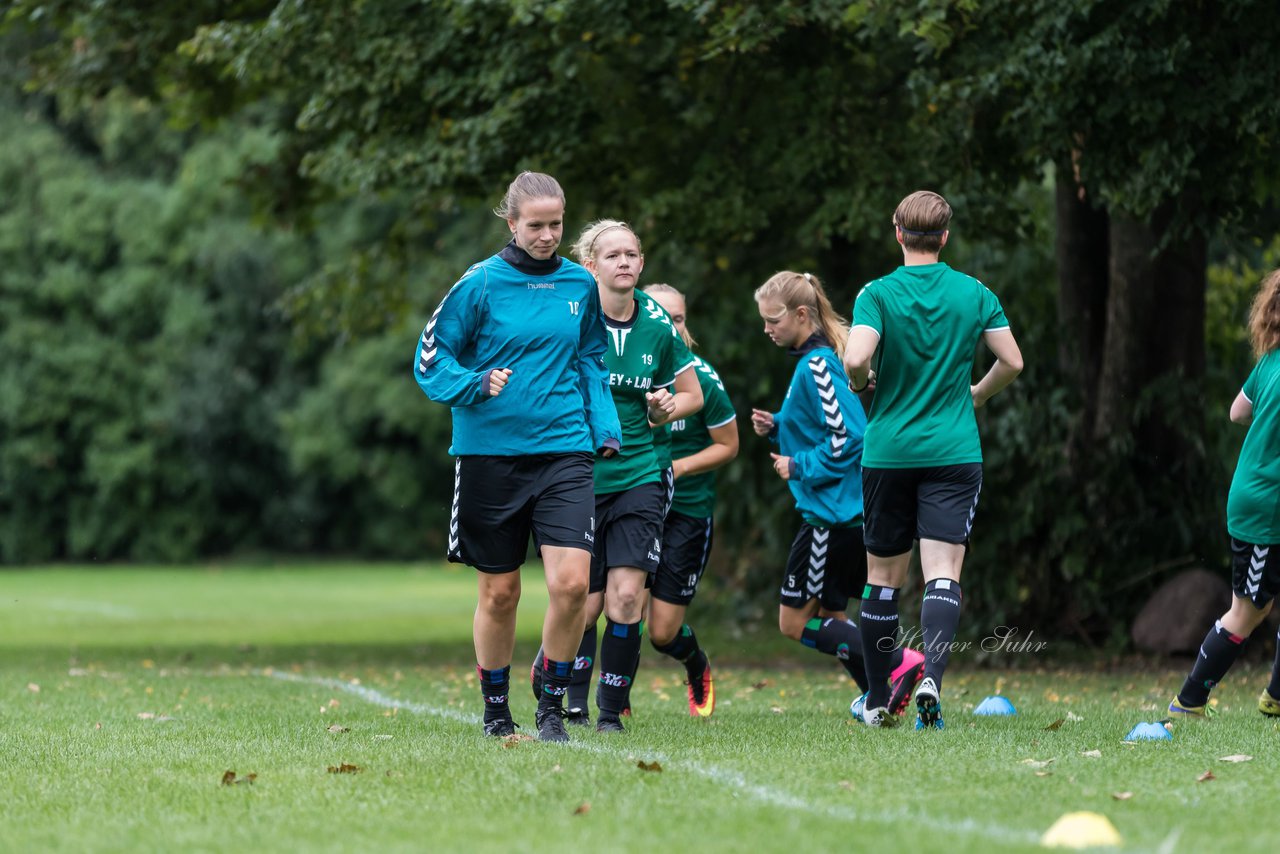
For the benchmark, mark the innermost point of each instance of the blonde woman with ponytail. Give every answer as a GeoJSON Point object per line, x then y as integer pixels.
{"type": "Point", "coordinates": [1253, 519]}
{"type": "Point", "coordinates": [818, 431]}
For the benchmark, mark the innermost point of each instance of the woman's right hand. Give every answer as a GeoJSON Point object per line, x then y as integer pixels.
{"type": "Point", "coordinates": [762, 422]}
{"type": "Point", "coordinates": [498, 380]}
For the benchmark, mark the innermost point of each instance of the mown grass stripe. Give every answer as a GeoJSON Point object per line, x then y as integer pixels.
{"type": "Point", "coordinates": [883, 813]}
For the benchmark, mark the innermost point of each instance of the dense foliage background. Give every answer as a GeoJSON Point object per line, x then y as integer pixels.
{"type": "Point", "coordinates": [221, 229]}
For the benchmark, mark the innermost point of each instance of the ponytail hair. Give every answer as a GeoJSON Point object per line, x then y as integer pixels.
{"type": "Point", "coordinates": [661, 288]}
{"type": "Point", "coordinates": [526, 187]}
{"type": "Point", "coordinates": [794, 290]}
{"type": "Point", "coordinates": [584, 248]}
{"type": "Point", "coordinates": [1264, 316]}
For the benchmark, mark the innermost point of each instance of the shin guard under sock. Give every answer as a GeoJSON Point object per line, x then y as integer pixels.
{"type": "Point", "coordinates": [555, 683]}
{"type": "Point", "coordinates": [840, 638]}
{"type": "Point", "coordinates": [1218, 652]}
{"type": "Point", "coordinates": [684, 648]}
{"type": "Point", "coordinates": [878, 625]}
{"type": "Point", "coordinates": [583, 664]}
{"type": "Point", "coordinates": [495, 686]}
{"type": "Point", "coordinates": [618, 649]}
{"type": "Point", "coordinates": [939, 618]}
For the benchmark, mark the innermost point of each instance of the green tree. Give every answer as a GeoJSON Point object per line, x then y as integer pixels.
{"type": "Point", "coordinates": [744, 137]}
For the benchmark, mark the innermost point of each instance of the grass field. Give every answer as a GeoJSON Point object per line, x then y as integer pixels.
{"type": "Point", "coordinates": [128, 694]}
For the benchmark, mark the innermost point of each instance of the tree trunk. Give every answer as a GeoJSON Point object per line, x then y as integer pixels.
{"type": "Point", "coordinates": [1154, 331]}
{"type": "Point", "coordinates": [1083, 253]}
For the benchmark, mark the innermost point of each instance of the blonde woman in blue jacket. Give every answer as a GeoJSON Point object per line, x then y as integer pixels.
{"type": "Point", "coordinates": [818, 431]}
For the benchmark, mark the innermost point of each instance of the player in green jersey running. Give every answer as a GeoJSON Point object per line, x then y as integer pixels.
{"type": "Point", "coordinates": [919, 328]}
{"type": "Point", "coordinates": [699, 445]}
{"type": "Point", "coordinates": [652, 383]}
{"type": "Point", "coordinates": [1253, 519]}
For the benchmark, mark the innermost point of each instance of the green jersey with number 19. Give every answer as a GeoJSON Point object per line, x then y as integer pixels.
{"type": "Point", "coordinates": [641, 358]}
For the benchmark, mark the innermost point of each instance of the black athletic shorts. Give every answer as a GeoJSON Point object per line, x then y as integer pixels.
{"type": "Point", "coordinates": [499, 501]}
{"type": "Point", "coordinates": [1255, 571]}
{"type": "Point", "coordinates": [904, 505]}
{"type": "Point", "coordinates": [829, 564]}
{"type": "Point", "coordinates": [628, 531]}
{"type": "Point", "coordinates": [686, 544]}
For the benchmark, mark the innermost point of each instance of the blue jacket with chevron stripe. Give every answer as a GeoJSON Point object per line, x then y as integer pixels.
{"type": "Point", "coordinates": [820, 427]}
{"type": "Point", "coordinates": [542, 320]}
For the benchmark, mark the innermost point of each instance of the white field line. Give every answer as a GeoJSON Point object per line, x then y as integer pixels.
{"type": "Point", "coordinates": [733, 780]}
{"type": "Point", "coordinates": [89, 606]}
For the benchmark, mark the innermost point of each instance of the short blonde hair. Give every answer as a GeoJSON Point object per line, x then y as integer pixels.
{"type": "Point", "coordinates": [923, 217]}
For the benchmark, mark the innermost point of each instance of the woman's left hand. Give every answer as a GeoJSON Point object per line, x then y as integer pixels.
{"type": "Point", "coordinates": [782, 465]}
{"type": "Point", "coordinates": [661, 404]}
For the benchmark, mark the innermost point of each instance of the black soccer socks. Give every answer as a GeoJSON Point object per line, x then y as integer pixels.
{"type": "Point", "coordinates": [939, 617]}
{"type": "Point", "coordinates": [879, 627]}
{"type": "Point", "coordinates": [1218, 652]}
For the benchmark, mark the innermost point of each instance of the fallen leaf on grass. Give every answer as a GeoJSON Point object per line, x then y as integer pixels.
{"type": "Point", "coordinates": [146, 716]}
{"type": "Point", "coordinates": [1038, 763]}
{"type": "Point", "coordinates": [761, 685]}
{"type": "Point", "coordinates": [555, 769]}
{"type": "Point", "coordinates": [1236, 757]}
{"type": "Point", "coordinates": [845, 784]}
{"type": "Point", "coordinates": [1122, 796]}
{"type": "Point", "coordinates": [777, 710]}
{"type": "Point", "coordinates": [344, 768]}
{"type": "Point", "coordinates": [514, 739]}
{"type": "Point", "coordinates": [1092, 754]}
{"type": "Point", "coordinates": [1072, 716]}
{"type": "Point", "coordinates": [1056, 725]}
{"type": "Point", "coordinates": [229, 778]}
{"type": "Point", "coordinates": [338, 728]}
{"type": "Point", "coordinates": [648, 766]}
{"type": "Point", "coordinates": [33, 688]}
{"type": "Point", "coordinates": [583, 808]}
{"type": "Point", "coordinates": [1206, 777]}
{"type": "Point", "coordinates": [1044, 773]}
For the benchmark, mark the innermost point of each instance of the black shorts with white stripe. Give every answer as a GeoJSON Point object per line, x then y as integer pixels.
{"type": "Point", "coordinates": [1255, 571]}
{"type": "Point", "coordinates": [827, 564]}
{"type": "Point", "coordinates": [669, 485]}
{"type": "Point", "coordinates": [932, 503]}
{"type": "Point", "coordinates": [499, 501]}
{"type": "Point", "coordinates": [628, 532]}
{"type": "Point", "coordinates": [686, 544]}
